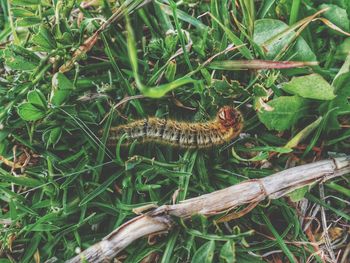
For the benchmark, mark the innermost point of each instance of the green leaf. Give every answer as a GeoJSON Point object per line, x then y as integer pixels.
{"type": "Point", "coordinates": [62, 82]}
{"type": "Point", "coordinates": [343, 49]}
{"type": "Point", "coordinates": [342, 77]}
{"type": "Point", "coordinates": [259, 157]}
{"type": "Point", "coordinates": [205, 253]}
{"type": "Point", "coordinates": [101, 188]}
{"type": "Point", "coordinates": [13, 210]}
{"type": "Point", "coordinates": [23, 180]}
{"type": "Point", "coordinates": [37, 98]}
{"type": "Point", "coordinates": [44, 39]}
{"type": "Point", "coordinates": [19, 58]}
{"type": "Point", "coordinates": [21, 12]}
{"type": "Point", "coordinates": [340, 105]}
{"type": "Point", "coordinates": [286, 110]}
{"type": "Point", "coordinates": [45, 227]}
{"type": "Point", "coordinates": [279, 239]}
{"type": "Point", "coordinates": [59, 97]}
{"type": "Point", "coordinates": [298, 194]}
{"type": "Point", "coordinates": [32, 247]}
{"type": "Point", "coordinates": [29, 112]}
{"type": "Point", "coordinates": [303, 134]}
{"type": "Point", "coordinates": [170, 70]}
{"type": "Point", "coordinates": [25, 2]}
{"type": "Point", "coordinates": [222, 91]}
{"type": "Point", "coordinates": [54, 136]}
{"type": "Point", "coordinates": [28, 21]}
{"type": "Point", "coordinates": [258, 64]}
{"type": "Point", "coordinates": [228, 252]}
{"type": "Point", "coordinates": [339, 188]}
{"type": "Point", "coordinates": [62, 87]}
{"type": "Point", "coordinates": [259, 91]}
{"type": "Point", "coordinates": [311, 86]}
{"type": "Point", "coordinates": [336, 15]}
{"type": "Point", "coordinates": [266, 29]}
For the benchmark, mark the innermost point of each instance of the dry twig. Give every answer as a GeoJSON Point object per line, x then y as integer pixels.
{"type": "Point", "coordinates": [160, 219]}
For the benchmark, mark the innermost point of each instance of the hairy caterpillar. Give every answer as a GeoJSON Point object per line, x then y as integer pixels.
{"type": "Point", "coordinates": [226, 126]}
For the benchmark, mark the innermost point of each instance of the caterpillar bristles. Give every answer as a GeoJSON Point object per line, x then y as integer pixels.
{"type": "Point", "coordinates": [225, 127]}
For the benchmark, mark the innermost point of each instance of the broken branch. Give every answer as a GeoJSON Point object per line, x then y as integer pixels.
{"type": "Point", "coordinates": [246, 192]}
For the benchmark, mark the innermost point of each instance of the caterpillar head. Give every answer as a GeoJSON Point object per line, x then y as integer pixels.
{"type": "Point", "coordinates": [229, 117]}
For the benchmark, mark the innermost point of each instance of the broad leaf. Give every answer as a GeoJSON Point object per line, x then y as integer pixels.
{"type": "Point", "coordinates": [44, 39]}
{"type": "Point", "coordinates": [336, 15]}
{"type": "Point", "coordinates": [340, 105]}
{"type": "Point", "coordinates": [228, 252]}
{"type": "Point", "coordinates": [205, 253]}
{"type": "Point", "coordinates": [28, 21]}
{"type": "Point", "coordinates": [311, 86]}
{"type": "Point", "coordinates": [286, 111]}
{"type": "Point", "coordinates": [61, 89]}
{"type": "Point", "coordinates": [37, 98]}
{"type": "Point", "coordinates": [266, 29]}
{"type": "Point", "coordinates": [343, 49]}
{"type": "Point", "coordinates": [29, 112]}
{"type": "Point", "coordinates": [19, 58]}
{"type": "Point", "coordinates": [52, 136]}
{"type": "Point", "coordinates": [298, 194]}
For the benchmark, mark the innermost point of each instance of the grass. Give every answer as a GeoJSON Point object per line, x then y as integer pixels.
{"type": "Point", "coordinates": [171, 59]}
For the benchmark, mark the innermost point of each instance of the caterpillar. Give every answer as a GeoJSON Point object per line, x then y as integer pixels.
{"type": "Point", "coordinates": [226, 126]}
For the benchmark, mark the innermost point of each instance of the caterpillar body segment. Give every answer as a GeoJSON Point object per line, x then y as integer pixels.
{"type": "Point", "coordinates": [226, 126]}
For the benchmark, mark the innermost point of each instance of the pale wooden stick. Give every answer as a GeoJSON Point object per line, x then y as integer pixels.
{"type": "Point", "coordinates": [159, 219]}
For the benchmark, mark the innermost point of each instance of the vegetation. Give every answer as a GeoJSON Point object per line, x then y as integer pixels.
{"type": "Point", "coordinates": [70, 68]}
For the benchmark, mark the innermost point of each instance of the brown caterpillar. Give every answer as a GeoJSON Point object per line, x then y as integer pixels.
{"type": "Point", "coordinates": [226, 126]}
